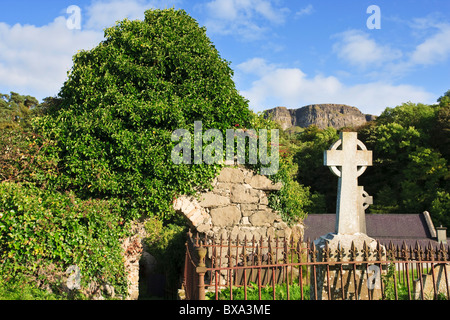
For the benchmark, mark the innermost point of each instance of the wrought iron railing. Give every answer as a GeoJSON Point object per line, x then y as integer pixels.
{"type": "Point", "coordinates": [217, 268]}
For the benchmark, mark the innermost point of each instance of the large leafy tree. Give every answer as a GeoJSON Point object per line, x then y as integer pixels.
{"type": "Point", "coordinates": [311, 171]}
{"type": "Point", "coordinates": [16, 110]}
{"type": "Point", "coordinates": [410, 173]}
{"type": "Point", "coordinates": [114, 116]}
{"type": "Point", "coordinates": [411, 163]}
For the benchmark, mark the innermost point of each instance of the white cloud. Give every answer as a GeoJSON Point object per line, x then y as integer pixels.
{"type": "Point", "coordinates": [292, 88]}
{"type": "Point", "coordinates": [266, 10]}
{"type": "Point", "coordinates": [358, 49]}
{"type": "Point", "coordinates": [104, 13]}
{"type": "Point", "coordinates": [223, 9]}
{"type": "Point", "coordinates": [434, 49]}
{"type": "Point", "coordinates": [257, 66]}
{"type": "Point", "coordinates": [245, 18]}
{"type": "Point", "coordinates": [35, 60]}
{"type": "Point", "coordinates": [306, 11]}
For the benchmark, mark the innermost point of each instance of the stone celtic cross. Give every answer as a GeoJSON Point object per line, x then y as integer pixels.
{"type": "Point", "coordinates": [348, 164]}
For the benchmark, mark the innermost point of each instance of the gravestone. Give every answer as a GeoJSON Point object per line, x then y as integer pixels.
{"type": "Point", "coordinates": [353, 163]}
{"type": "Point", "coordinates": [348, 158]}
{"type": "Point", "coordinates": [437, 279]}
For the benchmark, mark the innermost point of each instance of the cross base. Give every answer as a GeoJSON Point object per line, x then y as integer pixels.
{"type": "Point", "coordinates": [328, 283]}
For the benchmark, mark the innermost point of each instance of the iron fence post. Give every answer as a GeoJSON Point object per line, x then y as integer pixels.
{"type": "Point", "coordinates": [201, 271]}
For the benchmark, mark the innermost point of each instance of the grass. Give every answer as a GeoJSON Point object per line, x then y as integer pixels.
{"type": "Point", "coordinates": [267, 292]}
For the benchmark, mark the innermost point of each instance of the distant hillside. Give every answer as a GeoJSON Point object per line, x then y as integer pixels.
{"type": "Point", "coordinates": [321, 115]}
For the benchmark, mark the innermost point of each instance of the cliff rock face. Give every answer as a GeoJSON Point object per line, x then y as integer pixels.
{"type": "Point", "coordinates": [321, 115]}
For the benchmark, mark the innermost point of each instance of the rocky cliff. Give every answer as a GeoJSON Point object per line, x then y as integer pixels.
{"type": "Point", "coordinates": [321, 115]}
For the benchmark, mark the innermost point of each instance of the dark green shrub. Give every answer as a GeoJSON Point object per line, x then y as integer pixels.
{"type": "Point", "coordinates": [39, 227]}
{"type": "Point", "coordinates": [124, 98]}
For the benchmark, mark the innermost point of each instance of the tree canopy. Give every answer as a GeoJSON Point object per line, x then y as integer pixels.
{"type": "Point", "coordinates": [16, 109]}
{"type": "Point", "coordinates": [123, 99]}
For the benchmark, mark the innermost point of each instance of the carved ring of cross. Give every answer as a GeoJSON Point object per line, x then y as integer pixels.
{"type": "Point", "coordinates": [336, 145]}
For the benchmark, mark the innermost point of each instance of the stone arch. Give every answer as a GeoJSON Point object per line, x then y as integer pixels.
{"type": "Point", "coordinates": [196, 215]}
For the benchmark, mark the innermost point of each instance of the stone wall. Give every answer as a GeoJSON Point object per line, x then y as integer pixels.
{"type": "Point", "coordinates": [133, 249]}
{"type": "Point", "coordinates": [238, 205]}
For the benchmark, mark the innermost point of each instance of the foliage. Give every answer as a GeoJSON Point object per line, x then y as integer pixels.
{"type": "Point", "coordinates": [166, 242]}
{"type": "Point", "coordinates": [123, 99]}
{"type": "Point", "coordinates": [76, 169]}
{"type": "Point", "coordinates": [311, 171]}
{"type": "Point", "coordinates": [295, 200]}
{"type": "Point", "coordinates": [38, 226]}
{"type": "Point", "coordinates": [440, 131]}
{"type": "Point", "coordinates": [22, 290]}
{"type": "Point", "coordinates": [22, 157]}
{"type": "Point", "coordinates": [16, 110]}
{"type": "Point", "coordinates": [411, 171]}
{"type": "Point", "coordinates": [390, 285]}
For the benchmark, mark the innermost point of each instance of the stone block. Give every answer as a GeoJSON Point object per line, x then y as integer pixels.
{"type": "Point", "coordinates": [222, 187]}
{"type": "Point", "coordinates": [280, 225]}
{"type": "Point", "coordinates": [245, 220]}
{"type": "Point", "coordinates": [271, 232]}
{"type": "Point", "coordinates": [180, 203]}
{"type": "Point", "coordinates": [211, 199]}
{"type": "Point", "coordinates": [193, 213]}
{"type": "Point", "coordinates": [241, 194]}
{"type": "Point", "coordinates": [263, 218]}
{"type": "Point", "coordinates": [247, 209]}
{"type": "Point", "coordinates": [297, 232]}
{"type": "Point", "coordinates": [263, 199]}
{"type": "Point", "coordinates": [186, 206]}
{"type": "Point", "coordinates": [225, 216]}
{"type": "Point", "coordinates": [263, 183]}
{"type": "Point", "coordinates": [233, 175]}
{"type": "Point", "coordinates": [203, 228]}
{"type": "Point", "coordinates": [235, 232]}
{"type": "Point", "coordinates": [198, 218]}
{"type": "Point", "coordinates": [283, 233]}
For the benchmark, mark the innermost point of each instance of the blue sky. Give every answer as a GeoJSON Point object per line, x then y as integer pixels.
{"type": "Point", "coordinates": [283, 53]}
